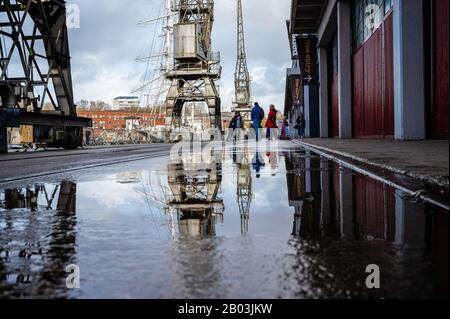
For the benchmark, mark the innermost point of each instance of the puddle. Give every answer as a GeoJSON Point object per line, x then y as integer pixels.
{"type": "Point", "coordinates": [244, 225]}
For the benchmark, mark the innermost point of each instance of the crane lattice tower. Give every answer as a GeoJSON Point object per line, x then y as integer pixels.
{"type": "Point", "coordinates": [196, 67]}
{"type": "Point", "coordinates": [27, 27]}
{"type": "Point", "coordinates": [242, 76]}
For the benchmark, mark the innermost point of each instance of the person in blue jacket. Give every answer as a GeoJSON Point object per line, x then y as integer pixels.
{"type": "Point", "coordinates": [257, 117]}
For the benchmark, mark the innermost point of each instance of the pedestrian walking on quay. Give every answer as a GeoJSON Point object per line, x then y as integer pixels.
{"type": "Point", "coordinates": [257, 116]}
{"type": "Point", "coordinates": [271, 123]}
{"type": "Point", "coordinates": [237, 122]}
{"type": "Point", "coordinates": [301, 124]}
{"type": "Point", "coordinates": [285, 130]}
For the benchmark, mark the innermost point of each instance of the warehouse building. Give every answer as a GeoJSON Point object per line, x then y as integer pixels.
{"type": "Point", "coordinates": [382, 68]}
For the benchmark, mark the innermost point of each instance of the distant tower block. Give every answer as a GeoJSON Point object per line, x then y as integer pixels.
{"type": "Point", "coordinates": [196, 67]}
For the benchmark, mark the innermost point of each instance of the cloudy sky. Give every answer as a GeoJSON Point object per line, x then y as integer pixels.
{"type": "Point", "coordinates": [105, 47]}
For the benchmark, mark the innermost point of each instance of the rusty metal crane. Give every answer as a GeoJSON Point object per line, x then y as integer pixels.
{"type": "Point", "coordinates": [194, 190]}
{"type": "Point", "coordinates": [35, 68]}
{"type": "Point", "coordinates": [196, 67]}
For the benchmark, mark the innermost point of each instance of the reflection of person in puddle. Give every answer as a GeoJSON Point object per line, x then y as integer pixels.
{"type": "Point", "coordinates": [257, 163]}
{"type": "Point", "coordinates": [238, 156]}
{"type": "Point", "coordinates": [273, 160]}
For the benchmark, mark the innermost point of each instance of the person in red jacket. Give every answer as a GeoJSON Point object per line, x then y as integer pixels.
{"type": "Point", "coordinates": [271, 122]}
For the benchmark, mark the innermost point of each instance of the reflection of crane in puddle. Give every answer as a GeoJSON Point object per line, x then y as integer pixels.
{"type": "Point", "coordinates": [194, 188]}
{"type": "Point", "coordinates": [154, 190]}
{"type": "Point", "coordinates": [48, 235]}
{"type": "Point", "coordinates": [27, 198]}
{"type": "Point", "coordinates": [188, 194]}
{"type": "Point", "coordinates": [244, 187]}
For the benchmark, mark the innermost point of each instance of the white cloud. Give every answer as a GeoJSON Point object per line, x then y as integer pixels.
{"type": "Point", "coordinates": [104, 49]}
{"type": "Point", "coordinates": [112, 85]}
{"type": "Point", "coordinates": [258, 74]}
{"type": "Point", "coordinates": [109, 194]}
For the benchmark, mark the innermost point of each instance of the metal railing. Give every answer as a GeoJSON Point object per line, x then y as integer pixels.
{"type": "Point", "coordinates": [213, 69]}
{"type": "Point", "coordinates": [193, 5]}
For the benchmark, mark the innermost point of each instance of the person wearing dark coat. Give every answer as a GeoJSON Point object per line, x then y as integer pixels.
{"type": "Point", "coordinates": [237, 122]}
{"type": "Point", "coordinates": [301, 124]}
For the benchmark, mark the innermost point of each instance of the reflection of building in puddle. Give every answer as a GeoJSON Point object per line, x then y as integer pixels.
{"type": "Point", "coordinates": [128, 178]}
{"type": "Point", "coordinates": [194, 190]}
{"type": "Point", "coordinates": [330, 199]}
{"type": "Point", "coordinates": [303, 192]}
{"type": "Point", "coordinates": [37, 233]}
{"type": "Point", "coordinates": [334, 202]}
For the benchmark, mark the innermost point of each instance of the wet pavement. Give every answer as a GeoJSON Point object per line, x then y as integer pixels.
{"type": "Point", "coordinates": [244, 224]}
{"type": "Point", "coordinates": [424, 160]}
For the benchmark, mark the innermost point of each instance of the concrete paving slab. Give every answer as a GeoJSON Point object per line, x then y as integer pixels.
{"type": "Point", "coordinates": [425, 160]}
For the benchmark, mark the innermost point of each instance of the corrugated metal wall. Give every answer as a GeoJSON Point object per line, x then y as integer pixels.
{"type": "Point", "coordinates": [441, 82]}
{"type": "Point", "coordinates": [373, 85]}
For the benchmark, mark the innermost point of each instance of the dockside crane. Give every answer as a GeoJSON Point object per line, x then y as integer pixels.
{"type": "Point", "coordinates": [35, 74]}
{"type": "Point", "coordinates": [196, 66]}
{"type": "Point", "coordinates": [242, 76]}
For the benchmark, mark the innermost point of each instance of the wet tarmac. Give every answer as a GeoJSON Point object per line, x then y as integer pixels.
{"type": "Point", "coordinates": [244, 224]}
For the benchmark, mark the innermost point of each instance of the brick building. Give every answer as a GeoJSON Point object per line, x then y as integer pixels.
{"type": "Point", "coordinates": [111, 126]}
{"type": "Point", "coordinates": [116, 120]}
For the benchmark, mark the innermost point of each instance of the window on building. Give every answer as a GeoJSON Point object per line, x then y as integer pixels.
{"type": "Point", "coordinates": [368, 15]}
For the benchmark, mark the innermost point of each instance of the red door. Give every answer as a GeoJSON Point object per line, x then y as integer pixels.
{"type": "Point", "coordinates": [373, 85]}
{"type": "Point", "coordinates": [441, 83]}
{"type": "Point", "coordinates": [388, 83]}
{"type": "Point", "coordinates": [358, 94]}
